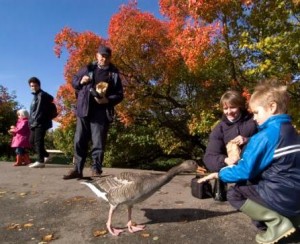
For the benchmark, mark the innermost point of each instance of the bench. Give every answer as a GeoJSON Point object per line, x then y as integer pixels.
{"type": "Point", "coordinates": [54, 151]}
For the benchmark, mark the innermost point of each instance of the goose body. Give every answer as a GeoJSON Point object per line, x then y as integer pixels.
{"type": "Point", "coordinates": [130, 188]}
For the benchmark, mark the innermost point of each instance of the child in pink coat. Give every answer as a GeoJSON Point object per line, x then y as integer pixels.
{"type": "Point", "coordinates": [20, 140]}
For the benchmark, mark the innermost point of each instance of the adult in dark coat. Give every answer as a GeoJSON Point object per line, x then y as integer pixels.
{"type": "Point", "coordinates": [236, 124]}
{"type": "Point", "coordinates": [39, 121]}
{"type": "Point", "coordinates": [94, 110]}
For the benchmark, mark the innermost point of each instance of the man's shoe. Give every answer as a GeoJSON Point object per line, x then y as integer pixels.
{"type": "Point", "coordinates": [73, 174]}
{"type": "Point", "coordinates": [48, 159]}
{"type": "Point", "coordinates": [37, 165]}
{"type": "Point", "coordinates": [96, 173]}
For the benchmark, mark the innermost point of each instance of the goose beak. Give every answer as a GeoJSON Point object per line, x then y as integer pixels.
{"type": "Point", "coordinates": [201, 170]}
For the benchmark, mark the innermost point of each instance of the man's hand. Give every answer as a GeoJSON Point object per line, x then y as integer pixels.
{"type": "Point", "coordinates": [85, 80]}
{"type": "Point", "coordinates": [102, 100]}
{"type": "Point", "coordinates": [240, 140]}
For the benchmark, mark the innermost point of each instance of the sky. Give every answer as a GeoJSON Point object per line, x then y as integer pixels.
{"type": "Point", "coordinates": [27, 32]}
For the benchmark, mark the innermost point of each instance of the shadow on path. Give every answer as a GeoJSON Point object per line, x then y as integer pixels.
{"type": "Point", "coordinates": [180, 215]}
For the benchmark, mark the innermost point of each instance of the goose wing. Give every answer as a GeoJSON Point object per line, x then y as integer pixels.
{"type": "Point", "coordinates": [129, 188]}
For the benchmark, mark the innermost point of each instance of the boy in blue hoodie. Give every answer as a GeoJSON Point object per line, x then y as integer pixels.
{"type": "Point", "coordinates": [271, 162]}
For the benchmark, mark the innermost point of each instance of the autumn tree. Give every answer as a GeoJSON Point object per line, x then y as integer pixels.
{"type": "Point", "coordinates": [176, 68]}
{"type": "Point", "coordinates": [161, 92]}
{"type": "Point", "coordinates": [253, 40]}
{"type": "Point", "coordinates": [8, 117]}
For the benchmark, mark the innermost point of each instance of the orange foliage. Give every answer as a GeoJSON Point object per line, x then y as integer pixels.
{"type": "Point", "coordinates": [191, 34]}
{"type": "Point", "coordinates": [246, 94]}
{"type": "Point", "coordinates": [152, 54]}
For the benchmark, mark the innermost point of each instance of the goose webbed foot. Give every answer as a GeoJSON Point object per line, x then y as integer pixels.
{"type": "Point", "coordinates": [114, 231]}
{"type": "Point", "coordinates": [134, 228]}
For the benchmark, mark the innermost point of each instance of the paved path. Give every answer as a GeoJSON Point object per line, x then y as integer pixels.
{"type": "Point", "coordinates": [37, 203]}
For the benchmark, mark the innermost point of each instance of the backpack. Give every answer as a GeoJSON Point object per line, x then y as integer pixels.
{"type": "Point", "coordinates": [52, 112]}
{"type": "Point", "coordinates": [51, 109]}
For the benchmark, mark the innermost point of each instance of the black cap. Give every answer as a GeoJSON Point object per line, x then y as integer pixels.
{"type": "Point", "coordinates": [104, 50]}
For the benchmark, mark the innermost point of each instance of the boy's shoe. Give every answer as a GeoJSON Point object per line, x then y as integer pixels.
{"type": "Point", "coordinates": [37, 165]}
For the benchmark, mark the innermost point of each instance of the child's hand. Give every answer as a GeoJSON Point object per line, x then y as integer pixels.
{"type": "Point", "coordinates": [209, 177]}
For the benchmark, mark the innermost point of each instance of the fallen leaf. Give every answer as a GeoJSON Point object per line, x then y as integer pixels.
{"type": "Point", "coordinates": [49, 237]}
{"type": "Point", "coordinates": [145, 235]}
{"type": "Point", "coordinates": [22, 194]}
{"type": "Point", "coordinates": [99, 233]}
{"type": "Point", "coordinates": [13, 226]}
{"type": "Point", "coordinates": [28, 225]}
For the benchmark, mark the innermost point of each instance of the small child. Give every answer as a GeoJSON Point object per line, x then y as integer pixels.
{"type": "Point", "coordinates": [271, 162]}
{"type": "Point", "coordinates": [20, 140]}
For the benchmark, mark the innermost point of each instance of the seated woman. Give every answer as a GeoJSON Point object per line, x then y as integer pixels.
{"type": "Point", "coordinates": [236, 126]}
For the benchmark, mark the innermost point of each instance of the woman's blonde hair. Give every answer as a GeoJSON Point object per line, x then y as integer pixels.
{"type": "Point", "coordinates": [265, 94]}
{"type": "Point", "coordinates": [23, 113]}
{"type": "Point", "coordinates": [233, 98]}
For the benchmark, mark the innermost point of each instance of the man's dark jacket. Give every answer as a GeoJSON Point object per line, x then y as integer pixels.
{"type": "Point", "coordinates": [114, 92]}
{"type": "Point", "coordinates": [39, 108]}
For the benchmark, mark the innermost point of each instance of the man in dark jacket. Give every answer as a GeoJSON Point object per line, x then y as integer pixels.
{"type": "Point", "coordinates": [94, 110]}
{"type": "Point", "coordinates": [39, 121]}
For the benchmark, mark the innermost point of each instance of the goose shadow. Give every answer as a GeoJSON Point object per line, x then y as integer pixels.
{"type": "Point", "coordinates": [180, 215]}
{"type": "Point", "coordinates": [158, 216]}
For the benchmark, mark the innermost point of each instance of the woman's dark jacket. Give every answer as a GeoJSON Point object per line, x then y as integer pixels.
{"type": "Point", "coordinates": [85, 101]}
{"type": "Point", "coordinates": [38, 110]}
{"type": "Point", "coordinates": [222, 133]}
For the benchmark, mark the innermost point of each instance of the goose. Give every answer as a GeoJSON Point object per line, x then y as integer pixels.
{"type": "Point", "coordinates": [129, 188]}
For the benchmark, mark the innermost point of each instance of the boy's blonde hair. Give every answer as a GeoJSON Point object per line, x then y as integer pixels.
{"type": "Point", "coordinates": [23, 113]}
{"type": "Point", "coordinates": [233, 98]}
{"type": "Point", "coordinates": [265, 94]}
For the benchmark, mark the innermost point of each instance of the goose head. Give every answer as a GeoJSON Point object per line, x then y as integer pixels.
{"type": "Point", "coordinates": [186, 166]}
{"type": "Point", "coordinates": [189, 166]}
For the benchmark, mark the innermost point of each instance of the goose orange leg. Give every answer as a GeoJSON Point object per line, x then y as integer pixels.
{"type": "Point", "coordinates": [133, 228]}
